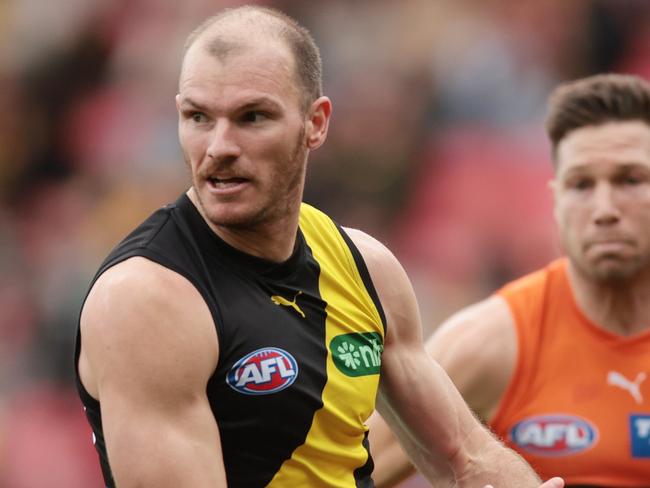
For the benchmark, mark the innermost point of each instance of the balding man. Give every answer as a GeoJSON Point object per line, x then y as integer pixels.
{"type": "Point", "coordinates": [236, 337]}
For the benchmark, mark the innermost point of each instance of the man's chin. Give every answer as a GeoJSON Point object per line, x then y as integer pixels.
{"type": "Point", "coordinates": [610, 270]}
{"type": "Point", "coordinates": [226, 213]}
{"type": "Point", "coordinates": [234, 220]}
{"type": "Point", "coordinates": [234, 216]}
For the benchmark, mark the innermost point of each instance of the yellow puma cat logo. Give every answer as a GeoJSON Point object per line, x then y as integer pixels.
{"type": "Point", "coordinates": [278, 300]}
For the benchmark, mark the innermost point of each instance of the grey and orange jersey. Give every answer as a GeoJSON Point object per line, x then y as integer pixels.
{"type": "Point", "coordinates": [300, 346]}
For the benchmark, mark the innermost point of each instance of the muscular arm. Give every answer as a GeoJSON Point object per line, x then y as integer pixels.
{"type": "Point", "coordinates": [148, 349]}
{"type": "Point", "coordinates": [418, 400]}
{"type": "Point", "coordinates": [477, 349]}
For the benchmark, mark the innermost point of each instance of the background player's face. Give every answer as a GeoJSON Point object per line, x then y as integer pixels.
{"type": "Point", "coordinates": [242, 132]}
{"type": "Point", "coordinates": [602, 199]}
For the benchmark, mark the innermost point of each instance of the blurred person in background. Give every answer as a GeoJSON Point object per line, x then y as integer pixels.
{"type": "Point", "coordinates": [557, 362]}
{"type": "Point", "coordinates": [237, 335]}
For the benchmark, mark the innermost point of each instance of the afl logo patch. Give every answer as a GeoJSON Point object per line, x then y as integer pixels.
{"type": "Point", "coordinates": [267, 370]}
{"type": "Point", "coordinates": [554, 435]}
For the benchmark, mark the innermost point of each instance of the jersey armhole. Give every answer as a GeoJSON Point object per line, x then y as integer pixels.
{"type": "Point", "coordinates": [513, 390]}
{"type": "Point", "coordinates": [362, 269]}
{"type": "Point", "coordinates": [155, 257]}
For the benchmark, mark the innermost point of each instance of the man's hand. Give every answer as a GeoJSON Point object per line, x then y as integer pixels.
{"type": "Point", "coordinates": [552, 483]}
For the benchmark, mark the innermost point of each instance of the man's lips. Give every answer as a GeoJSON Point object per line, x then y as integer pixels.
{"type": "Point", "coordinates": [610, 245]}
{"type": "Point", "coordinates": [226, 182]}
{"type": "Point", "coordinates": [226, 185]}
{"type": "Point", "coordinates": [597, 241]}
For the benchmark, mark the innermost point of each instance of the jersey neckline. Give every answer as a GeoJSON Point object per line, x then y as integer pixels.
{"type": "Point", "coordinates": [241, 259]}
{"type": "Point", "coordinates": [562, 264]}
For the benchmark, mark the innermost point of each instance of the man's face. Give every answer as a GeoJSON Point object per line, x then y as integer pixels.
{"type": "Point", "coordinates": [602, 199]}
{"type": "Point", "coordinates": [242, 132]}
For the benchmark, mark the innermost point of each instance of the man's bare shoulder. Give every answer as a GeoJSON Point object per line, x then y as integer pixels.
{"type": "Point", "coordinates": [394, 290]}
{"type": "Point", "coordinates": [386, 271]}
{"type": "Point", "coordinates": [129, 274]}
{"type": "Point", "coordinates": [384, 267]}
{"type": "Point", "coordinates": [478, 348]}
{"type": "Point", "coordinates": [481, 319]}
{"type": "Point", "coordinates": [140, 319]}
{"type": "Point", "coordinates": [373, 251]}
{"type": "Point", "coordinates": [140, 288]}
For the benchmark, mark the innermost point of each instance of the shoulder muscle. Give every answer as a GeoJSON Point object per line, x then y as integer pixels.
{"type": "Point", "coordinates": [146, 327]}
{"type": "Point", "coordinates": [393, 287]}
{"type": "Point", "coordinates": [478, 347]}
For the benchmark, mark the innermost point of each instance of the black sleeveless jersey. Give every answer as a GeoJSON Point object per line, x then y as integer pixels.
{"type": "Point", "coordinates": [300, 346]}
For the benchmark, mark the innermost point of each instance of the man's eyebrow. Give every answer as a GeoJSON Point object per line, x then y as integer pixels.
{"type": "Point", "coordinates": [578, 168]}
{"type": "Point", "coordinates": [259, 101]}
{"type": "Point", "coordinates": [632, 165]}
{"type": "Point", "coordinates": [194, 104]}
{"type": "Point", "coordinates": [620, 168]}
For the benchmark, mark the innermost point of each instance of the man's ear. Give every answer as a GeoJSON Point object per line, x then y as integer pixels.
{"type": "Point", "coordinates": [318, 119]}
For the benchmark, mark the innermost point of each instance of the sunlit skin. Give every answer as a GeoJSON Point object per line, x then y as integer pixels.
{"type": "Point", "coordinates": [602, 208]}
{"type": "Point", "coordinates": [245, 137]}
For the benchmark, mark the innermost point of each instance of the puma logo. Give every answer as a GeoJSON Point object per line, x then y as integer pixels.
{"type": "Point", "coordinates": [278, 300]}
{"type": "Point", "coordinates": [615, 378]}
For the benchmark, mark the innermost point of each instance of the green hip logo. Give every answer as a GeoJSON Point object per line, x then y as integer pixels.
{"type": "Point", "coordinates": [357, 354]}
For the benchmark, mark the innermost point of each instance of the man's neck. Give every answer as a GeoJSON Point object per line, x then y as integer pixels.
{"type": "Point", "coordinates": [621, 308]}
{"type": "Point", "coordinates": [274, 240]}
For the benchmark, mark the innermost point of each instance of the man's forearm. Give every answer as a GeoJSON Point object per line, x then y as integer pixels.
{"type": "Point", "coordinates": [495, 464]}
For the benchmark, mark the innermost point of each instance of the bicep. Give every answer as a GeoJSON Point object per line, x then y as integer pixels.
{"type": "Point", "coordinates": [177, 445]}
{"type": "Point", "coordinates": [476, 348]}
{"type": "Point", "coordinates": [150, 347]}
{"type": "Point", "coordinates": [416, 397]}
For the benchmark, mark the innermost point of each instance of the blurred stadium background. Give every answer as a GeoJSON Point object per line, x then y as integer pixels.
{"type": "Point", "coordinates": [436, 146]}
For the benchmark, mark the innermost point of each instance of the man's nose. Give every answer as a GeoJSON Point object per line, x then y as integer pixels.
{"type": "Point", "coordinates": [223, 144]}
{"type": "Point", "coordinates": [606, 210]}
